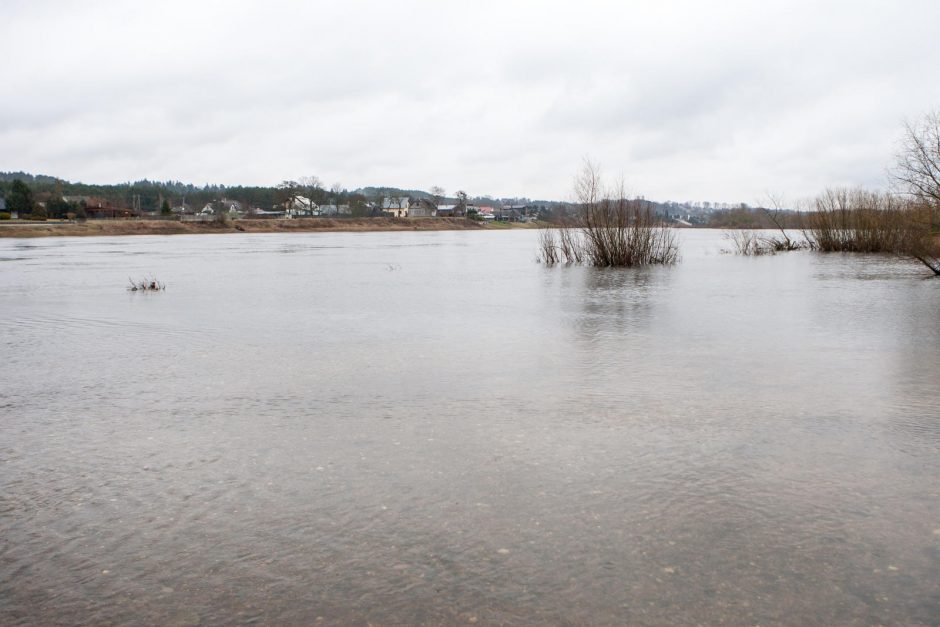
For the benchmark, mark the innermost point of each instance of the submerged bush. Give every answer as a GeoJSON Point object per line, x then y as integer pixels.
{"type": "Point", "coordinates": [610, 230]}
{"type": "Point", "coordinates": [856, 220]}
{"type": "Point", "coordinates": [561, 244]}
{"type": "Point", "coordinates": [145, 285]}
{"type": "Point", "coordinates": [749, 243]}
{"type": "Point", "coordinates": [746, 242]}
{"type": "Point", "coordinates": [860, 221]}
{"type": "Point", "coordinates": [924, 244]}
{"type": "Point", "coordinates": [549, 251]}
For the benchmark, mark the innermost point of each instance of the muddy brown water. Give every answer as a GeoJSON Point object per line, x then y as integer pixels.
{"type": "Point", "coordinates": [431, 428]}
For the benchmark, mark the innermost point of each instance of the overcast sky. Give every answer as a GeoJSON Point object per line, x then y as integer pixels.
{"type": "Point", "coordinates": [690, 100]}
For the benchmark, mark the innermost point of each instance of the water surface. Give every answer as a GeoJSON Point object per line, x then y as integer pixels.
{"type": "Point", "coordinates": [410, 428]}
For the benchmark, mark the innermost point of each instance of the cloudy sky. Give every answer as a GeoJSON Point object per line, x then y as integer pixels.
{"type": "Point", "coordinates": [688, 100]}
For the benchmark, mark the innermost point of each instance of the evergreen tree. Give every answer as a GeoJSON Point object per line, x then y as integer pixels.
{"type": "Point", "coordinates": [20, 198]}
{"type": "Point", "coordinates": [58, 208]}
{"type": "Point", "coordinates": [38, 212]}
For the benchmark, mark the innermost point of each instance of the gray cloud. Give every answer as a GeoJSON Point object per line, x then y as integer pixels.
{"type": "Point", "coordinates": [688, 101]}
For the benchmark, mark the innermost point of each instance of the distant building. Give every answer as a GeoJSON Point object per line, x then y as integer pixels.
{"type": "Point", "coordinates": [100, 208]}
{"type": "Point", "coordinates": [508, 214]}
{"type": "Point", "coordinates": [422, 208]}
{"type": "Point", "coordinates": [335, 210]}
{"type": "Point", "coordinates": [396, 207]}
{"type": "Point", "coordinates": [232, 207]}
{"type": "Point", "coordinates": [485, 212]}
{"type": "Point", "coordinates": [300, 206]}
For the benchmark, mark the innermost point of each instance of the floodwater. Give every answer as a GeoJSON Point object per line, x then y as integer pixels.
{"type": "Point", "coordinates": [432, 428]}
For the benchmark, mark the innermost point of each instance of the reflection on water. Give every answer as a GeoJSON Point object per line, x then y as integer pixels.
{"type": "Point", "coordinates": [413, 428]}
{"type": "Point", "coordinates": [616, 301]}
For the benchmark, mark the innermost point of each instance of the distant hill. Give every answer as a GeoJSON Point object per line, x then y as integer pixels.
{"type": "Point", "coordinates": [7, 177]}
{"type": "Point", "coordinates": [372, 192]}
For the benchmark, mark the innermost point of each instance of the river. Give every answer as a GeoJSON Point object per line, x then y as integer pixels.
{"type": "Point", "coordinates": [432, 428]}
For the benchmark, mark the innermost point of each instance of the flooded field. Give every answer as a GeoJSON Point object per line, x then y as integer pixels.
{"type": "Point", "coordinates": [431, 428]}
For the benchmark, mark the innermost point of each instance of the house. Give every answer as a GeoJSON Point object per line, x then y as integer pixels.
{"type": "Point", "coordinates": [396, 207]}
{"type": "Point", "coordinates": [300, 207]}
{"type": "Point", "coordinates": [99, 208]}
{"type": "Point", "coordinates": [335, 210]}
{"type": "Point", "coordinates": [486, 213]}
{"type": "Point", "coordinates": [422, 208]}
{"type": "Point", "coordinates": [232, 207]}
{"type": "Point", "coordinates": [445, 211]}
{"type": "Point", "coordinates": [531, 213]}
{"type": "Point", "coordinates": [507, 214]}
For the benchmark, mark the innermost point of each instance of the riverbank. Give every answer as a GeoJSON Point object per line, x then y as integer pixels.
{"type": "Point", "coordinates": [301, 225]}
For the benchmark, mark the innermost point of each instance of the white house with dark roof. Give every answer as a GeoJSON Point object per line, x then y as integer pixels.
{"type": "Point", "coordinates": [300, 206]}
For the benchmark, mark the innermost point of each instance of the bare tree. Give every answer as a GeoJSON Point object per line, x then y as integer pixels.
{"type": "Point", "coordinates": [396, 205]}
{"type": "Point", "coordinates": [775, 214]}
{"type": "Point", "coordinates": [461, 208]}
{"type": "Point", "coordinates": [437, 193]}
{"type": "Point", "coordinates": [917, 172]}
{"type": "Point", "coordinates": [311, 182]}
{"type": "Point", "coordinates": [312, 188]}
{"type": "Point", "coordinates": [917, 164]}
{"type": "Point", "coordinates": [287, 193]}
{"type": "Point", "coordinates": [927, 251]}
{"type": "Point", "coordinates": [336, 193]}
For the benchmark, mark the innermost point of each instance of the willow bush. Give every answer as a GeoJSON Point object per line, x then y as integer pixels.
{"type": "Point", "coordinates": [610, 230]}
{"type": "Point", "coordinates": [860, 221]}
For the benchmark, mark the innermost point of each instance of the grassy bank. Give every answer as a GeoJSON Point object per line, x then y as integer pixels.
{"type": "Point", "coordinates": [302, 225]}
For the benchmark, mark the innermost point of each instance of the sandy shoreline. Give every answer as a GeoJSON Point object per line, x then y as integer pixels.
{"type": "Point", "coordinates": [301, 225]}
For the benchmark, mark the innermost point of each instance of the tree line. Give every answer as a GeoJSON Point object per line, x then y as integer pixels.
{"type": "Point", "coordinates": [43, 196]}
